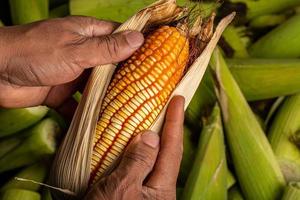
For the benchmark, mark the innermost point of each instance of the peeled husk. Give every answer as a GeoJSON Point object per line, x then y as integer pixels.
{"type": "Point", "coordinates": [71, 168]}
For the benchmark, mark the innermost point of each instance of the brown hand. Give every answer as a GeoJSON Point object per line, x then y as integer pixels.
{"type": "Point", "coordinates": [148, 170]}
{"type": "Point", "coordinates": [42, 62]}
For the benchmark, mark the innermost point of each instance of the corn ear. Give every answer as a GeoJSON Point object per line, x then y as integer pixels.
{"type": "Point", "coordinates": [248, 145]}
{"type": "Point", "coordinates": [24, 11]}
{"type": "Point", "coordinates": [284, 137]}
{"type": "Point", "coordinates": [40, 143]}
{"type": "Point", "coordinates": [36, 172]}
{"type": "Point", "coordinates": [292, 191]}
{"type": "Point", "coordinates": [14, 120]}
{"type": "Point", "coordinates": [268, 73]}
{"type": "Point", "coordinates": [19, 194]}
{"type": "Point", "coordinates": [281, 42]}
{"type": "Point", "coordinates": [208, 177]}
{"type": "Point", "coordinates": [235, 194]}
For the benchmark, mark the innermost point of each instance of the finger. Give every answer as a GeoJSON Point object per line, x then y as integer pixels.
{"type": "Point", "coordinates": [166, 169]}
{"type": "Point", "coordinates": [107, 49]}
{"type": "Point", "coordinates": [139, 158]}
{"type": "Point", "coordinates": [92, 27]}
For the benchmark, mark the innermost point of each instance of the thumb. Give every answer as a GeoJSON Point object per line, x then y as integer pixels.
{"type": "Point", "coordinates": [109, 48]}
{"type": "Point", "coordinates": [139, 157]}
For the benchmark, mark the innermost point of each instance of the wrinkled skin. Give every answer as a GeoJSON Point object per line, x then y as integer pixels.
{"type": "Point", "coordinates": [45, 62]}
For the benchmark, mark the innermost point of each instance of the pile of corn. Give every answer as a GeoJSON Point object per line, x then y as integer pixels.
{"type": "Point", "coordinates": [242, 128]}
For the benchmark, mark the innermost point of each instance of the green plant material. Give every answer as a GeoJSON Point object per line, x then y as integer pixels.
{"type": "Point", "coordinates": [274, 109]}
{"type": "Point", "coordinates": [284, 137]}
{"type": "Point", "coordinates": [292, 191]}
{"type": "Point", "coordinates": [234, 43]}
{"type": "Point", "coordinates": [203, 98]}
{"type": "Point", "coordinates": [121, 10]}
{"type": "Point", "coordinates": [46, 194]}
{"type": "Point", "coordinates": [26, 11]}
{"type": "Point", "coordinates": [208, 177]}
{"type": "Point", "coordinates": [58, 118]}
{"type": "Point", "coordinates": [230, 179]}
{"type": "Point", "coordinates": [77, 96]}
{"type": "Point", "coordinates": [267, 20]}
{"type": "Point", "coordinates": [6, 145]}
{"type": "Point", "coordinates": [179, 191]}
{"type": "Point", "coordinates": [266, 78]}
{"type": "Point", "coordinates": [14, 120]}
{"type": "Point", "coordinates": [281, 42]}
{"type": "Point", "coordinates": [235, 194]}
{"type": "Point", "coordinates": [263, 7]}
{"type": "Point", "coordinates": [247, 143]}
{"type": "Point", "coordinates": [1, 23]}
{"type": "Point", "coordinates": [257, 78]}
{"type": "Point", "coordinates": [60, 11]}
{"type": "Point", "coordinates": [188, 157]}
{"type": "Point", "coordinates": [19, 194]}
{"type": "Point", "coordinates": [36, 172]}
{"type": "Point", "coordinates": [41, 142]}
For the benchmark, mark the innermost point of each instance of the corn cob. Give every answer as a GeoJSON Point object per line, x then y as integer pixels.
{"type": "Point", "coordinates": [248, 145]}
{"type": "Point", "coordinates": [20, 194]}
{"type": "Point", "coordinates": [14, 120]}
{"type": "Point", "coordinates": [292, 191]}
{"type": "Point", "coordinates": [137, 93]}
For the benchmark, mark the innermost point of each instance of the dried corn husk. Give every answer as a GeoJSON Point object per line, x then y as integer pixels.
{"type": "Point", "coordinates": [71, 168]}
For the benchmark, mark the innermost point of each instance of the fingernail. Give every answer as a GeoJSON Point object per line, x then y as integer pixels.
{"type": "Point", "coordinates": [135, 39]}
{"type": "Point", "coordinates": [151, 139]}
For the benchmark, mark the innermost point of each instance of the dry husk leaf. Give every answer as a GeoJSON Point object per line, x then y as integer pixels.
{"type": "Point", "coordinates": [71, 168]}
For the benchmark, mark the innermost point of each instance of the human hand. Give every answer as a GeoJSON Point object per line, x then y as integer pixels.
{"type": "Point", "coordinates": [147, 170]}
{"type": "Point", "coordinates": [42, 62]}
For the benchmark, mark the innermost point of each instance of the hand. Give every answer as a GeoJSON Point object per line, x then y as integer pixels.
{"type": "Point", "coordinates": [146, 170]}
{"type": "Point", "coordinates": [42, 62]}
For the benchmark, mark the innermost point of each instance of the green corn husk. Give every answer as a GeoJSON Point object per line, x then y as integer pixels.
{"type": "Point", "coordinates": [284, 137]}
{"type": "Point", "coordinates": [247, 73]}
{"type": "Point", "coordinates": [208, 177]}
{"type": "Point", "coordinates": [6, 145]}
{"type": "Point", "coordinates": [36, 172]}
{"type": "Point", "coordinates": [39, 144]}
{"type": "Point", "coordinates": [14, 120]}
{"type": "Point", "coordinates": [179, 192]}
{"type": "Point", "coordinates": [235, 43]}
{"type": "Point", "coordinates": [187, 157]}
{"type": "Point", "coordinates": [58, 118]}
{"type": "Point", "coordinates": [20, 194]}
{"type": "Point", "coordinates": [26, 11]}
{"type": "Point", "coordinates": [46, 194]}
{"type": "Point", "coordinates": [77, 96]}
{"type": "Point", "coordinates": [246, 140]}
{"type": "Point", "coordinates": [292, 191]}
{"type": "Point", "coordinates": [1, 23]}
{"type": "Point", "coordinates": [120, 10]}
{"type": "Point", "coordinates": [235, 194]}
{"type": "Point", "coordinates": [267, 20]}
{"type": "Point", "coordinates": [261, 7]}
{"type": "Point", "coordinates": [281, 42]}
{"type": "Point", "coordinates": [273, 110]}
{"type": "Point", "coordinates": [230, 179]}
{"type": "Point", "coordinates": [60, 11]}
{"type": "Point", "coordinates": [266, 78]}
